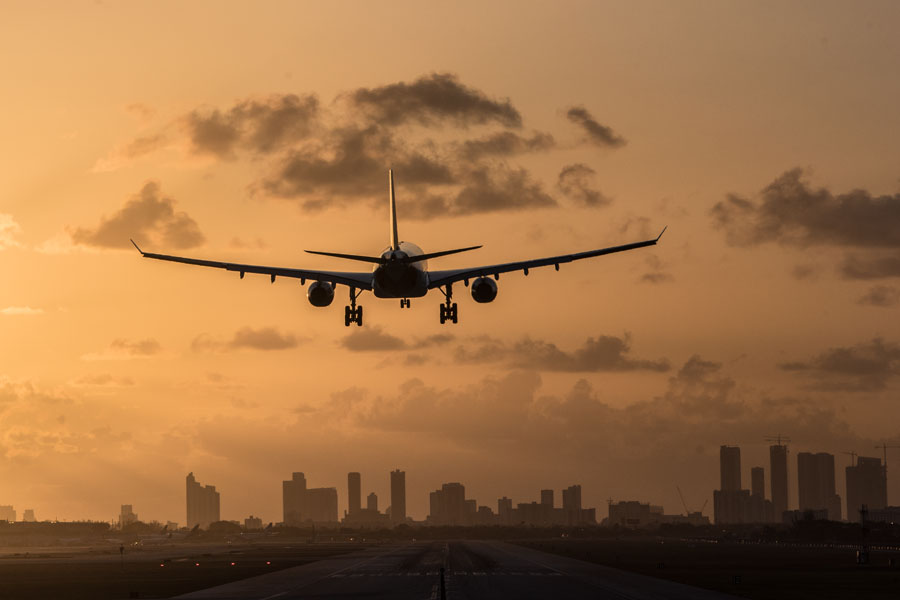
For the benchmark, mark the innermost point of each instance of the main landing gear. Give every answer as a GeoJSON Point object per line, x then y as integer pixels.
{"type": "Point", "coordinates": [353, 313]}
{"type": "Point", "coordinates": [404, 302]}
{"type": "Point", "coordinates": [449, 311]}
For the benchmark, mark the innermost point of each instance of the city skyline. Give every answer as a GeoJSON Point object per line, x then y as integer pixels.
{"type": "Point", "coordinates": [763, 138]}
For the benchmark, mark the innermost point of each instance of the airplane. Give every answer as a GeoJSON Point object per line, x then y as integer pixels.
{"type": "Point", "coordinates": [400, 271]}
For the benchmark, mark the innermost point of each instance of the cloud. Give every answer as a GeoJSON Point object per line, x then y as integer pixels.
{"type": "Point", "coordinates": [264, 338]}
{"type": "Point", "coordinates": [792, 213]}
{"type": "Point", "coordinates": [598, 134]}
{"type": "Point", "coordinates": [125, 349]}
{"type": "Point", "coordinates": [603, 353]}
{"type": "Point", "coordinates": [352, 162]}
{"type": "Point", "coordinates": [373, 339]}
{"type": "Point", "coordinates": [576, 182]}
{"type": "Point", "coordinates": [864, 367]}
{"type": "Point", "coordinates": [505, 143]}
{"type": "Point", "coordinates": [9, 229]}
{"type": "Point", "coordinates": [145, 216]}
{"type": "Point", "coordinates": [881, 295]}
{"type": "Point", "coordinates": [433, 99]}
{"type": "Point", "coordinates": [488, 190]}
{"type": "Point", "coordinates": [260, 125]}
{"type": "Point", "coordinates": [873, 266]}
{"type": "Point", "coordinates": [21, 311]}
{"type": "Point", "coordinates": [656, 273]}
{"type": "Point", "coordinates": [103, 380]}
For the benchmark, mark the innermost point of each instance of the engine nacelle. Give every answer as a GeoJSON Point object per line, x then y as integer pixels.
{"type": "Point", "coordinates": [484, 289]}
{"type": "Point", "coordinates": [320, 293]}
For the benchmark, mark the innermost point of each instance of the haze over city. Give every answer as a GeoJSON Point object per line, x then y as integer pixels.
{"type": "Point", "coordinates": [762, 135]}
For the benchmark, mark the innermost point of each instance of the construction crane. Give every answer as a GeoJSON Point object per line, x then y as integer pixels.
{"type": "Point", "coordinates": [778, 439]}
{"type": "Point", "coordinates": [853, 456]}
{"type": "Point", "coordinates": [884, 447]}
{"type": "Point", "coordinates": [687, 511]}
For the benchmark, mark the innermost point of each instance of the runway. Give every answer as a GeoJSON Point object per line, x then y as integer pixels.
{"type": "Point", "coordinates": [472, 569]}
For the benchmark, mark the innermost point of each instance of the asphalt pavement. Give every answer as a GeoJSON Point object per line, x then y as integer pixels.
{"type": "Point", "coordinates": [472, 569]}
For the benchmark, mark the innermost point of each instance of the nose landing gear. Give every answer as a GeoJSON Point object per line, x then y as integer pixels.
{"type": "Point", "coordinates": [449, 311]}
{"type": "Point", "coordinates": [404, 303]}
{"type": "Point", "coordinates": [353, 313]}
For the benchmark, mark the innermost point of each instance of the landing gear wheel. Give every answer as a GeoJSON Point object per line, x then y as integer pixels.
{"type": "Point", "coordinates": [404, 303]}
{"type": "Point", "coordinates": [353, 313]}
{"type": "Point", "coordinates": [449, 310]}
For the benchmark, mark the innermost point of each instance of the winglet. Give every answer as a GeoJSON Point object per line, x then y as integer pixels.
{"type": "Point", "coordinates": [661, 232]}
{"type": "Point", "coordinates": [136, 246]}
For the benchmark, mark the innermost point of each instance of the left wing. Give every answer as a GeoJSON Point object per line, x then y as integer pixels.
{"type": "Point", "coordinates": [441, 278]}
{"type": "Point", "coordinates": [362, 281]}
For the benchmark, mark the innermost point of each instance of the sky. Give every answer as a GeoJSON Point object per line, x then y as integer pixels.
{"type": "Point", "coordinates": [763, 135]}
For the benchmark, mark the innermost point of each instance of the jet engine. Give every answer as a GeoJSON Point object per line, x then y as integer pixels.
{"type": "Point", "coordinates": [484, 289]}
{"type": "Point", "coordinates": [320, 293]}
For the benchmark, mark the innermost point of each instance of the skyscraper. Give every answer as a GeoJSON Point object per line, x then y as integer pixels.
{"type": "Point", "coordinates": [730, 468]}
{"type": "Point", "coordinates": [202, 503]}
{"type": "Point", "coordinates": [779, 482]}
{"type": "Point", "coordinates": [547, 497]}
{"type": "Point", "coordinates": [293, 499]}
{"type": "Point", "coordinates": [866, 485]}
{"type": "Point", "coordinates": [398, 496]}
{"type": "Point", "coordinates": [372, 502]}
{"type": "Point", "coordinates": [815, 478]}
{"type": "Point", "coordinates": [758, 482]}
{"type": "Point", "coordinates": [354, 492]}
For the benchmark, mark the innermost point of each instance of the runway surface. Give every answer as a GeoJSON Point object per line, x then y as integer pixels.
{"type": "Point", "coordinates": [472, 569]}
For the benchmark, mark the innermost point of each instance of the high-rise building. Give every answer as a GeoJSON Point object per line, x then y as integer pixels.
{"type": "Point", "coordinates": [293, 499]}
{"type": "Point", "coordinates": [866, 485]}
{"type": "Point", "coordinates": [354, 492]}
{"type": "Point", "coordinates": [779, 479]}
{"type": "Point", "coordinates": [28, 515]}
{"type": "Point", "coordinates": [448, 505]}
{"type": "Point", "coordinates": [547, 497]}
{"type": "Point", "coordinates": [372, 502]}
{"type": "Point", "coordinates": [730, 468]}
{"type": "Point", "coordinates": [398, 496]}
{"type": "Point", "coordinates": [321, 505]}
{"type": "Point", "coordinates": [504, 510]}
{"type": "Point", "coordinates": [758, 482]}
{"type": "Point", "coordinates": [571, 504]}
{"type": "Point", "coordinates": [7, 513]}
{"type": "Point", "coordinates": [202, 503]}
{"type": "Point", "coordinates": [816, 490]}
{"type": "Point", "coordinates": [127, 516]}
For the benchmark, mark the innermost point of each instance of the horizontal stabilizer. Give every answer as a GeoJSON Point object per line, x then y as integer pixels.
{"type": "Point", "coordinates": [369, 259]}
{"type": "Point", "coordinates": [410, 259]}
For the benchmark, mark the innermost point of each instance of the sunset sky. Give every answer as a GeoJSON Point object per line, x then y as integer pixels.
{"type": "Point", "coordinates": [764, 135]}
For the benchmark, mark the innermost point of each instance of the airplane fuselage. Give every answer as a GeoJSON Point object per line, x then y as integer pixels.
{"type": "Point", "coordinates": [398, 279]}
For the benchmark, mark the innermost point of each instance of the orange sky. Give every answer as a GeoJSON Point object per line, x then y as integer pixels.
{"type": "Point", "coordinates": [763, 135]}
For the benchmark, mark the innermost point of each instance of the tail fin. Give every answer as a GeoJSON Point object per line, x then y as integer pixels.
{"type": "Point", "coordinates": [395, 239]}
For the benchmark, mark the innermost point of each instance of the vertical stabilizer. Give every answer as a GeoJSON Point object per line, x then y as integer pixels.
{"type": "Point", "coordinates": [395, 239]}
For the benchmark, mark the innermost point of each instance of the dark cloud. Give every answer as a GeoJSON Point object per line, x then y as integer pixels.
{"type": "Point", "coordinates": [433, 99]}
{"type": "Point", "coordinates": [354, 162]}
{"type": "Point", "coordinates": [577, 183]}
{"type": "Point", "coordinates": [372, 339]}
{"type": "Point", "coordinates": [146, 216]}
{"type": "Point", "coordinates": [864, 367]}
{"type": "Point", "coordinates": [873, 266]}
{"type": "Point", "coordinates": [264, 338]}
{"type": "Point", "coordinates": [603, 353]}
{"type": "Point", "coordinates": [790, 212]}
{"type": "Point", "coordinates": [805, 272]}
{"type": "Point", "coordinates": [598, 134]}
{"type": "Point", "coordinates": [881, 295]}
{"type": "Point", "coordinates": [505, 143]}
{"type": "Point", "coordinates": [260, 126]}
{"type": "Point", "coordinates": [145, 347]}
{"type": "Point", "coordinates": [500, 189]}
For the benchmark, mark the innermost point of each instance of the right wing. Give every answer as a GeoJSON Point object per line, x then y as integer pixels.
{"type": "Point", "coordinates": [442, 278]}
{"type": "Point", "coordinates": [362, 281]}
